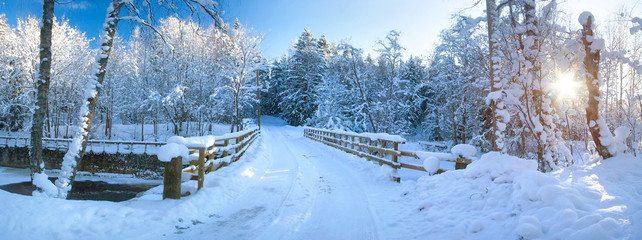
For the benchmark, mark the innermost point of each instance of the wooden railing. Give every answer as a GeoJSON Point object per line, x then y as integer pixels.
{"type": "Point", "coordinates": [93, 145]}
{"type": "Point", "coordinates": [226, 150]}
{"type": "Point", "coordinates": [382, 148]}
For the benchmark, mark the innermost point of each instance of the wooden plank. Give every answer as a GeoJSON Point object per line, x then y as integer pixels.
{"type": "Point", "coordinates": [410, 166]}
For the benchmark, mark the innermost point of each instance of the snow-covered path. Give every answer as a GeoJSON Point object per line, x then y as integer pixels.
{"type": "Point", "coordinates": [285, 187]}
{"type": "Point", "coordinates": [306, 193]}
{"type": "Point", "coordinates": [290, 187]}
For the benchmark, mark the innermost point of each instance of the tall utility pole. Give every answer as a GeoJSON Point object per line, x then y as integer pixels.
{"type": "Point", "coordinates": [258, 99]}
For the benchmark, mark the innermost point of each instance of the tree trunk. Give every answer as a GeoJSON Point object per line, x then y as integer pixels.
{"type": "Point", "coordinates": [142, 128]}
{"type": "Point", "coordinates": [74, 155]}
{"type": "Point", "coordinates": [42, 83]}
{"type": "Point", "coordinates": [497, 134]}
{"type": "Point", "coordinates": [591, 63]}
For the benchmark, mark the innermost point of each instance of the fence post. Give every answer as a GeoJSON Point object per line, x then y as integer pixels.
{"type": "Point", "coordinates": [395, 147]}
{"type": "Point", "coordinates": [226, 143]}
{"type": "Point", "coordinates": [201, 167]}
{"type": "Point", "coordinates": [352, 143]}
{"type": "Point", "coordinates": [460, 164]}
{"type": "Point", "coordinates": [172, 179]}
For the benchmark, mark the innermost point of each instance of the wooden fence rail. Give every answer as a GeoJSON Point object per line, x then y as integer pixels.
{"type": "Point", "coordinates": [381, 148]}
{"type": "Point", "coordinates": [226, 150]}
{"type": "Point", "coordinates": [92, 145]}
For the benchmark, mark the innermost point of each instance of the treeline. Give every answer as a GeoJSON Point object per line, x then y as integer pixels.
{"type": "Point", "coordinates": [528, 99]}
{"type": "Point", "coordinates": [335, 86]}
{"type": "Point", "coordinates": [514, 80]}
{"type": "Point", "coordinates": [179, 73]}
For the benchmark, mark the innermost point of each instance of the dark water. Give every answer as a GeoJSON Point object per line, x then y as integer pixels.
{"type": "Point", "coordinates": [88, 190]}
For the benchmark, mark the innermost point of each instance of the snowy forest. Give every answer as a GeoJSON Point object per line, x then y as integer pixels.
{"type": "Point", "coordinates": [528, 99]}
{"type": "Point", "coordinates": [522, 121]}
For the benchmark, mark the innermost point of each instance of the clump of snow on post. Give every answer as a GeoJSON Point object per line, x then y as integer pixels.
{"type": "Point", "coordinates": [584, 18]}
{"type": "Point", "coordinates": [172, 150]}
{"type": "Point", "coordinates": [431, 164]}
{"type": "Point", "coordinates": [464, 150]}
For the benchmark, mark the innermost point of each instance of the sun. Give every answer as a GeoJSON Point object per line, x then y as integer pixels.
{"type": "Point", "coordinates": [565, 85]}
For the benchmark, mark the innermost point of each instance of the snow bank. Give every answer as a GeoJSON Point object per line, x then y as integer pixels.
{"type": "Point", "coordinates": [193, 142]}
{"type": "Point", "coordinates": [501, 195]}
{"type": "Point", "coordinates": [172, 150]}
{"type": "Point", "coordinates": [464, 150]}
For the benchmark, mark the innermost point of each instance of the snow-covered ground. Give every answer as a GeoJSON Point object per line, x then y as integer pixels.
{"type": "Point", "coordinates": [290, 187]}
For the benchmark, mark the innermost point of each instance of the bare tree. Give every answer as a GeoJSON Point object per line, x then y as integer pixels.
{"type": "Point", "coordinates": [495, 96]}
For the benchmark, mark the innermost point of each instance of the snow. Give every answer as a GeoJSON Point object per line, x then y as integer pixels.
{"type": "Point", "coordinates": [371, 136]}
{"type": "Point", "coordinates": [431, 164]}
{"type": "Point", "coordinates": [42, 181]}
{"type": "Point", "coordinates": [637, 25]}
{"type": "Point", "coordinates": [193, 142]}
{"type": "Point", "coordinates": [464, 150]}
{"type": "Point", "coordinates": [172, 150]}
{"type": "Point", "coordinates": [597, 45]}
{"type": "Point", "coordinates": [619, 140]}
{"type": "Point", "coordinates": [584, 18]}
{"type": "Point", "coordinates": [289, 187]}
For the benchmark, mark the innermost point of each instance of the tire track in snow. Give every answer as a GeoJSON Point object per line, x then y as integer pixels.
{"type": "Point", "coordinates": [306, 193]}
{"type": "Point", "coordinates": [342, 209]}
{"type": "Point", "coordinates": [271, 209]}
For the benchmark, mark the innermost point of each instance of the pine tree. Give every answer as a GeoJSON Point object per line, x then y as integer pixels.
{"type": "Point", "coordinates": [304, 73]}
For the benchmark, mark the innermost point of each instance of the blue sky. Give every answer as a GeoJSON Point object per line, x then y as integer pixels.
{"type": "Point", "coordinates": [361, 22]}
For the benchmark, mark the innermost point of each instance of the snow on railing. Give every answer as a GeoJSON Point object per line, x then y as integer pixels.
{"type": "Point", "coordinates": [202, 154]}
{"type": "Point", "coordinates": [93, 145]}
{"type": "Point", "coordinates": [384, 148]}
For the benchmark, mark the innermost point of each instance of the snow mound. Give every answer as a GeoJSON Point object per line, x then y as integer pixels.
{"type": "Point", "coordinates": [619, 140]}
{"type": "Point", "coordinates": [41, 180]}
{"type": "Point", "coordinates": [464, 150]}
{"type": "Point", "coordinates": [431, 164]}
{"type": "Point", "coordinates": [172, 150]}
{"type": "Point", "coordinates": [502, 195]}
